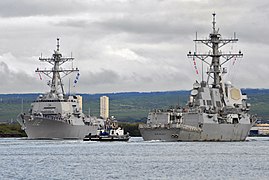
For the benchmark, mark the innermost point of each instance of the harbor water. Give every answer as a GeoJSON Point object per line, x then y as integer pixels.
{"type": "Point", "coordinates": [136, 159]}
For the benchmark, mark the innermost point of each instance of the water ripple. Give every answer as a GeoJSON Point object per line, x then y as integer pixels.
{"type": "Point", "coordinates": [75, 159]}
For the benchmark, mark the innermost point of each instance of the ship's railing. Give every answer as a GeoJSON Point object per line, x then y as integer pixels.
{"type": "Point", "coordinates": [168, 126]}
{"type": "Point", "coordinates": [154, 126]}
{"type": "Point", "coordinates": [54, 100]}
{"type": "Point", "coordinates": [51, 117]}
{"type": "Point", "coordinates": [189, 128]}
{"type": "Point", "coordinates": [21, 121]}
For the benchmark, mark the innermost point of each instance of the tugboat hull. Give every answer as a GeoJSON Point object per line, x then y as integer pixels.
{"type": "Point", "coordinates": [106, 138]}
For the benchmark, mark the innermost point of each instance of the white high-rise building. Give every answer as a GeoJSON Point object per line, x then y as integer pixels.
{"type": "Point", "coordinates": [104, 107]}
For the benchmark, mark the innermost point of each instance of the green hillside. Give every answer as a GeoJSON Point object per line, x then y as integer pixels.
{"type": "Point", "coordinates": [11, 130]}
{"type": "Point", "coordinates": [128, 107]}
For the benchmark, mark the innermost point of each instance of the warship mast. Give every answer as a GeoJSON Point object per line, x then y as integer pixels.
{"type": "Point", "coordinates": [216, 110]}
{"type": "Point", "coordinates": [215, 42]}
{"type": "Point", "coordinates": [54, 74]}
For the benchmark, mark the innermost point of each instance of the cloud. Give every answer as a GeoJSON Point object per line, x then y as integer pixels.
{"type": "Point", "coordinates": [129, 45]}
{"type": "Point", "coordinates": [23, 8]}
{"type": "Point", "coordinates": [102, 77]}
{"type": "Point", "coordinates": [17, 82]}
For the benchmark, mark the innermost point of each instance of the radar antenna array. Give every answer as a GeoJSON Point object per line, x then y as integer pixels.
{"type": "Point", "coordinates": [55, 73]}
{"type": "Point", "coordinates": [215, 42]}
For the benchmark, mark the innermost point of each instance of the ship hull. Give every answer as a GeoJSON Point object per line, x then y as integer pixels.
{"type": "Point", "coordinates": [42, 128]}
{"type": "Point", "coordinates": [106, 138]}
{"type": "Point", "coordinates": [209, 132]}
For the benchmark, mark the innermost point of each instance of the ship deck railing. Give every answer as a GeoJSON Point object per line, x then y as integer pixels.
{"type": "Point", "coordinates": [168, 126]}
{"type": "Point", "coordinates": [53, 117]}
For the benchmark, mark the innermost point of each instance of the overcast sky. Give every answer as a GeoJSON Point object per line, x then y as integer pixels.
{"type": "Point", "coordinates": [129, 45]}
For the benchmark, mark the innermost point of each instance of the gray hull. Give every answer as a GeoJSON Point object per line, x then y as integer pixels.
{"type": "Point", "coordinates": [210, 132]}
{"type": "Point", "coordinates": [42, 128]}
{"type": "Point", "coordinates": [216, 110]}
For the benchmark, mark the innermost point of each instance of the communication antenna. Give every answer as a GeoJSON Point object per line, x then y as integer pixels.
{"type": "Point", "coordinates": [215, 42]}
{"type": "Point", "coordinates": [214, 22]}
{"type": "Point", "coordinates": [56, 74]}
{"type": "Point", "coordinates": [69, 88]}
{"type": "Point", "coordinates": [58, 44]}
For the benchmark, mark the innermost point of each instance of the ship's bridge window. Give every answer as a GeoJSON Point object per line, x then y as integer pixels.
{"type": "Point", "coordinates": [172, 117]}
{"type": "Point", "coordinates": [218, 104]}
{"type": "Point", "coordinates": [235, 121]}
{"type": "Point", "coordinates": [209, 103]}
{"type": "Point", "coordinates": [49, 107]}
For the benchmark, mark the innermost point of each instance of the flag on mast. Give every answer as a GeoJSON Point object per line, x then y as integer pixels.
{"type": "Point", "coordinates": [76, 79]}
{"type": "Point", "coordinates": [195, 67]}
{"type": "Point", "coordinates": [40, 77]}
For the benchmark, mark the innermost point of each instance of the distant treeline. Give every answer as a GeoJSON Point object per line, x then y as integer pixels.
{"type": "Point", "coordinates": [11, 130]}
{"type": "Point", "coordinates": [129, 106]}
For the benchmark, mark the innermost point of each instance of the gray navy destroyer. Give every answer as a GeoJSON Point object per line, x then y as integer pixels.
{"type": "Point", "coordinates": [216, 110]}
{"type": "Point", "coordinates": [55, 114]}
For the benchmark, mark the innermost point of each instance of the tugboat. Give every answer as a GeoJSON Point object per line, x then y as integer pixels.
{"type": "Point", "coordinates": [216, 110]}
{"type": "Point", "coordinates": [111, 132]}
{"type": "Point", "coordinates": [260, 129]}
{"type": "Point", "coordinates": [56, 114]}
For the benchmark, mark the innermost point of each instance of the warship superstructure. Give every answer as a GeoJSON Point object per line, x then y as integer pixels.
{"type": "Point", "coordinates": [56, 114]}
{"type": "Point", "coordinates": [216, 110]}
